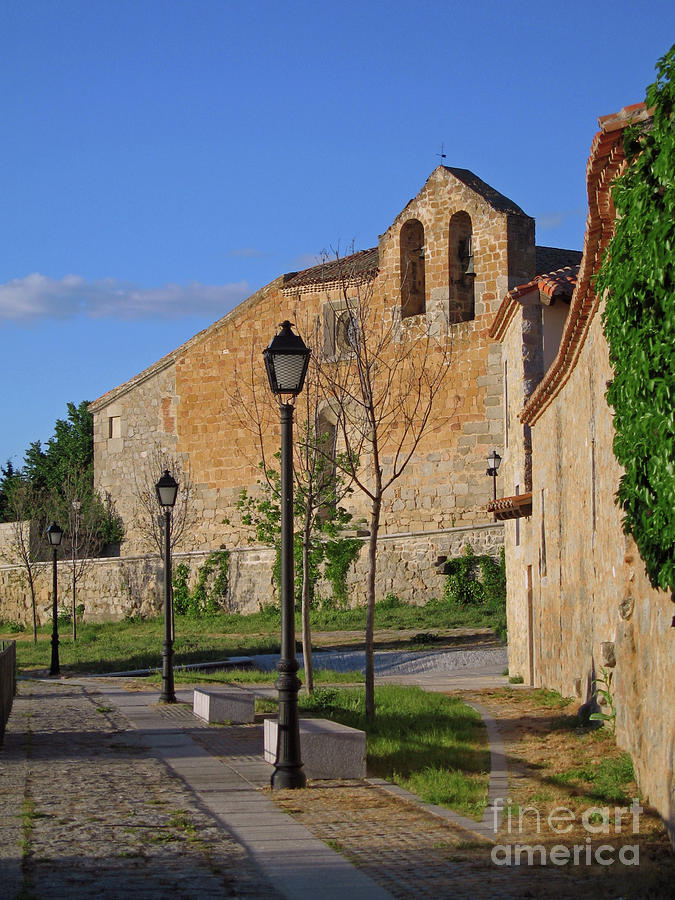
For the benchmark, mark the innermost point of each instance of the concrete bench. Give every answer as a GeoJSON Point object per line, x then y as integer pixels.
{"type": "Point", "coordinates": [327, 749]}
{"type": "Point", "coordinates": [224, 705]}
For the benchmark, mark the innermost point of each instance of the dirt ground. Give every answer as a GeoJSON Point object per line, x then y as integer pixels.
{"type": "Point", "coordinates": [412, 852]}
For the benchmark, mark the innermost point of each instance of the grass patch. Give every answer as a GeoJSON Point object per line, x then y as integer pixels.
{"type": "Point", "coordinates": [181, 820]}
{"type": "Point", "coordinates": [136, 643]}
{"type": "Point", "coordinates": [608, 781]}
{"type": "Point", "coordinates": [256, 676]}
{"type": "Point", "coordinates": [433, 745]}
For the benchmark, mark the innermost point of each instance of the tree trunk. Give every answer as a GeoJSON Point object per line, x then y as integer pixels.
{"type": "Point", "coordinates": [34, 604]}
{"type": "Point", "coordinates": [375, 509]}
{"type": "Point", "coordinates": [306, 629]}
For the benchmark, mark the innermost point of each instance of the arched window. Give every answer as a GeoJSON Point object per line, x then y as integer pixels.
{"type": "Point", "coordinates": [461, 266]}
{"type": "Point", "coordinates": [326, 437]}
{"type": "Point", "coordinates": [413, 302]}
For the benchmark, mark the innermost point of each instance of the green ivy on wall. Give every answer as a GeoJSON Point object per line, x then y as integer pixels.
{"type": "Point", "coordinates": [638, 274]}
{"type": "Point", "coordinates": [210, 591]}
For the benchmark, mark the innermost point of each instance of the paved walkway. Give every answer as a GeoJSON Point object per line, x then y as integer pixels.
{"type": "Point", "coordinates": [121, 796]}
{"type": "Point", "coordinates": [152, 812]}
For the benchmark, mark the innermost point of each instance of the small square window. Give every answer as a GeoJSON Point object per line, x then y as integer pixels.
{"type": "Point", "coordinates": [114, 427]}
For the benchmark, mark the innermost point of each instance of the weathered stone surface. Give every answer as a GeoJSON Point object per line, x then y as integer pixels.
{"type": "Point", "coordinates": [327, 749]}
{"type": "Point", "coordinates": [181, 404]}
{"type": "Point", "coordinates": [111, 589]}
{"type": "Point", "coordinates": [223, 705]}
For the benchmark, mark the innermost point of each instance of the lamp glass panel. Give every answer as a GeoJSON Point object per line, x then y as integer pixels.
{"type": "Point", "coordinates": [167, 495]}
{"type": "Point", "coordinates": [54, 534]}
{"type": "Point", "coordinates": [289, 370]}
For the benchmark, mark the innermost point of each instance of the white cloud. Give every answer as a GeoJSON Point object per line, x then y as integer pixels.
{"type": "Point", "coordinates": [39, 297]}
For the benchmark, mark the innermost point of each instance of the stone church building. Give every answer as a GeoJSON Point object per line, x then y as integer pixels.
{"type": "Point", "coordinates": [528, 374]}
{"type": "Point", "coordinates": [527, 377]}
{"type": "Point", "coordinates": [442, 267]}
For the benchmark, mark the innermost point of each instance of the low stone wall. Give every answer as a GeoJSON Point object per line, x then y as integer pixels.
{"type": "Point", "coordinates": [111, 589]}
{"type": "Point", "coordinates": [7, 683]}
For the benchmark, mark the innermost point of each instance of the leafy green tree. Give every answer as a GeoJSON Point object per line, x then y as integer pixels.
{"type": "Point", "coordinates": [71, 448]}
{"type": "Point", "coordinates": [8, 477]}
{"type": "Point", "coordinates": [319, 521]}
{"type": "Point", "coordinates": [638, 276]}
{"type": "Point", "coordinates": [59, 473]}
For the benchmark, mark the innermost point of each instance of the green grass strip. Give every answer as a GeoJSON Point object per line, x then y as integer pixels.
{"type": "Point", "coordinates": [433, 745]}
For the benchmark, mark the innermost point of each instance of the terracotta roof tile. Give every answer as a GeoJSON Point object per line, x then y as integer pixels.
{"type": "Point", "coordinates": [511, 507]}
{"type": "Point", "coordinates": [551, 286]}
{"type": "Point", "coordinates": [363, 264]}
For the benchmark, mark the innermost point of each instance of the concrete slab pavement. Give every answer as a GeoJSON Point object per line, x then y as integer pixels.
{"type": "Point", "coordinates": [292, 859]}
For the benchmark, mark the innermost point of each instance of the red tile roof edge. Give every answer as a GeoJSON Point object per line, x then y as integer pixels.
{"type": "Point", "coordinates": [512, 507]}
{"type": "Point", "coordinates": [355, 267]}
{"type": "Point", "coordinates": [605, 162]}
{"type": "Point", "coordinates": [552, 284]}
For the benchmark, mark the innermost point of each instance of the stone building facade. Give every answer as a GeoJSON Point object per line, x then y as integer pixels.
{"type": "Point", "coordinates": [579, 600]}
{"type": "Point", "coordinates": [441, 267]}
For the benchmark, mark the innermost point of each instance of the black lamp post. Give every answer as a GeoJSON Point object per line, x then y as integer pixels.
{"type": "Point", "coordinates": [54, 535]}
{"type": "Point", "coordinates": [286, 360]}
{"type": "Point", "coordinates": [167, 490]}
{"type": "Point", "coordinates": [493, 461]}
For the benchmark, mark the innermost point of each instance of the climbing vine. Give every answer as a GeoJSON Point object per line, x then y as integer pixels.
{"type": "Point", "coordinates": [475, 580]}
{"type": "Point", "coordinates": [209, 593]}
{"type": "Point", "coordinates": [339, 554]}
{"type": "Point", "coordinates": [478, 581]}
{"type": "Point", "coordinates": [638, 274]}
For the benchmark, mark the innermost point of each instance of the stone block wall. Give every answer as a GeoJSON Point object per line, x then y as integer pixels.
{"type": "Point", "coordinates": [197, 402]}
{"type": "Point", "coordinates": [590, 588]}
{"type": "Point", "coordinates": [114, 588]}
{"type": "Point", "coordinates": [8, 534]}
{"type": "Point", "coordinates": [128, 430]}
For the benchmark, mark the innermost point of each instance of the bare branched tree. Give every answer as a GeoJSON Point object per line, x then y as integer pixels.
{"type": "Point", "coordinates": [319, 489]}
{"type": "Point", "coordinates": [380, 377]}
{"type": "Point", "coordinates": [148, 511]}
{"type": "Point", "coordinates": [26, 543]}
{"type": "Point", "coordinates": [80, 511]}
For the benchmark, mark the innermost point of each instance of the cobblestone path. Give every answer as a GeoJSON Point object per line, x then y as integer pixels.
{"type": "Point", "coordinates": [86, 811]}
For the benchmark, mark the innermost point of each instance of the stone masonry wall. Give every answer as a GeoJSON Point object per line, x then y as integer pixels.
{"type": "Point", "coordinates": [198, 406]}
{"type": "Point", "coordinates": [127, 432]}
{"type": "Point", "coordinates": [523, 367]}
{"type": "Point", "coordinates": [592, 599]}
{"type": "Point", "coordinates": [114, 588]}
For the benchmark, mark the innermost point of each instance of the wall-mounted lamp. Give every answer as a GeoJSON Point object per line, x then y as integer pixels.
{"type": "Point", "coordinates": [493, 461]}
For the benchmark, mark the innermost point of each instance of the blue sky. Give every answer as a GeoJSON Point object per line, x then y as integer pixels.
{"type": "Point", "coordinates": [162, 159]}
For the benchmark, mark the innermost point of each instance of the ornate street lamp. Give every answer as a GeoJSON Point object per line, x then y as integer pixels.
{"type": "Point", "coordinates": [77, 506]}
{"type": "Point", "coordinates": [54, 535]}
{"type": "Point", "coordinates": [493, 461]}
{"type": "Point", "coordinates": [167, 491]}
{"type": "Point", "coordinates": [286, 360]}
